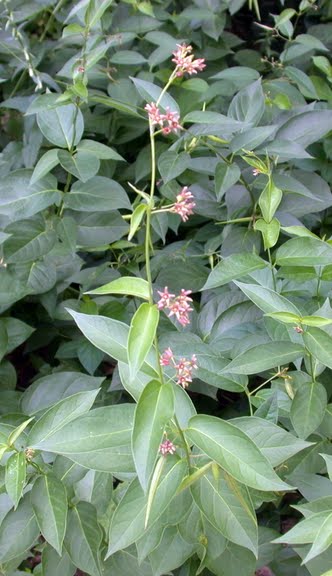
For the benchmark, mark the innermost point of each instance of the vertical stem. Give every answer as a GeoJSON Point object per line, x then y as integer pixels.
{"type": "Point", "coordinates": [185, 444]}
{"type": "Point", "coordinates": [51, 18]}
{"type": "Point", "coordinates": [272, 270]}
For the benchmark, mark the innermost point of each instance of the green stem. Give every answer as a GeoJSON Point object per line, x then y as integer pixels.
{"type": "Point", "coordinates": [263, 384]}
{"type": "Point", "coordinates": [51, 18]}
{"type": "Point", "coordinates": [272, 270]}
{"type": "Point", "coordinates": [249, 401]}
{"type": "Point", "coordinates": [164, 90]}
{"type": "Point", "coordinates": [185, 444]}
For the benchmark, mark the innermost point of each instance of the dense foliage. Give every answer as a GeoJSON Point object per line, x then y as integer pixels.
{"type": "Point", "coordinates": [165, 284]}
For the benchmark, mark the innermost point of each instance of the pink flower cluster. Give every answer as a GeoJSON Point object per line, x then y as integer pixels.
{"type": "Point", "coordinates": [184, 368]}
{"type": "Point", "coordinates": [184, 204]}
{"type": "Point", "coordinates": [167, 447]}
{"type": "Point", "coordinates": [168, 122]}
{"type": "Point", "coordinates": [185, 62]}
{"type": "Point", "coordinates": [178, 306]}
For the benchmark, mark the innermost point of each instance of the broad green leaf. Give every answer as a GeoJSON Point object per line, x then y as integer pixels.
{"type": "Point", "coordinates": [171, 165]}
{"type": "Point", "coordinates": [99, 440]}
{"type": "Point", "coordinates": [46, 163]}
{"type": "Point", "coordinates": [110, 336]}
{"type": "Point", "coordinates": [233, 267]}
{"type": "Point", "coordinates": [308, 408]}
{"type": "Point", "coordinates": [127, 524]}
{"type": "Point", "coordinates": [235, 452]}
{"type": "Point", "coordinates": [99, 194]}
{"type": "Point", "coordinates": [304, 532]}
{"type": "Point", "coordinates": [125, 562]}
{"type": "Point", "coordinates": [52, 563]}
{"type": "Point", "coordinates": [274, 442]}
{"type": "Point", "coordinates": [18, 531]}
{"type": "Point", "coordinates": [328, 460]}
{"type": "Point", "coordinates": [62, 126]}
{"type": "Point", "coordinates": [15, 476]}
{"type": "Point", "coordinates": [270, 231]}
{"type": "Point", "coordinates": [154, 409]}
{"type": "Point", "coordinates": [322, 541]}
{"type": "Point", "coordinates": [234, 561]}
{"type": "Point", "coordinates": [30, 241]}
{"type": "Point", "coordinates": [178, 551]}
{"type": "Point", "coordinates": [304, 252]}
{"type": "Point", "coordinates": [128, 57]}
{"type": "Point", "coordinates": [301, 231]}
{"type": "Point", "coordinates": [126, 285]}
{"type": "Point", "coordinates": [83, 165]}
{"type": "Point", "coordinates": [225, 177]}
{"type": "Point", "coordinates": [98, 12]}
{"type": "Point", "coordinates": [237, 75]}
{"type": "Point", "coordinates": [23, 199]}
{"type": "Point", "coordinates": [264, 357]}
{"type": "Point", "coordinates": [307, 127]}
{"type": "Point", "coordinates": [269, 200]}
{"type": "Point", "coordinates": [319, 344]}
{"type": "Point", "coordinates": [248, 104]}
{"type": "Point", "coordinates": [18, 431]}
{"type": "Point", "coordinates": [83, 538]}
{"type": "Point", "coordinates": [96, 488]}
{"type": "Point", "coordinates": [58, 416]}
{"type": "Point", "coordinates": [99, 150]}
{"type": "Point", "coordinates": [227, 505]}
{"type": "Point", "coordinates": [285, 317]}
{"type": "Point", "coordinates": [46, 391]}
{"type": "Point", "coordinates": [252, 138]}
{"type": "Point", "coordinates": [267, 300]}
{"type": "Point", "coordinates": [302, 80]}
{"type": "Point", "coordinates": [141, 335]}
{"type": "Point", "coordinates": [49, 502]}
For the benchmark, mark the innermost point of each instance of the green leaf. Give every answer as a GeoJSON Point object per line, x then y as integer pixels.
{"type": "Point", "coordinates": [141, 335]}
{"type": "Point", "coordinates": [52, 563]}
{"type": "Point", "coordinates": [274, 442]}
{"type": "Point", "coordinates": [30, 241]}
{"type": "Point", "coordinates": [99, 150]}
{"type": "Point", "coordinates": [267, 300]}
{"type": "Point", "coordinates": [127, 285]}
{"type": "Point", "coordinates": [308, 408]}
{"type": "Point", "coordinates": [62, 126]}
{"type": "Point", "coordinates": [322, 541]}
{"type": "Point", "coordinates": [227, 505]}
{"type": "Point", "coordinates": [99, 12]}
{"type": "Point", "coordinates": [154, 409]}
{"type": "Point", "coordinates": [15, 476]}
{"type": "Point", "coordinates": [233, 450]}
{"type": "Point", "coordinates": [171, 165]}
{"type": "Point", "coordinates": [264, 357]}
{"type": "Point", "coordinates": [83, 538]}
{"type": "Point", "coordinates": [233, 267]}
{"type": "Point", "coordinates": [49, 502]}
{"type": "Point", "coordinates": [3, 340]}
{"type": "Point", "coordinates": [270, 231]}
{"type": "Point", "coordinates": [304, 532]}
{"type": "Point", "coordinates": [46, 391]}
{"type": "Point", "coordinates": [136, 219]}
{"type": "Point", "coordinates": [269, 200]}
{"type": "Point", "coordinates": [20, 522]}
{"type": "Point", "coordinates": [46, 163]}
{"type": "Point", "coordinates": [178, 551]}
{"type": "Point", "coordinates": [83, 165]}
{"type": "Point", "coordinates": [303, 82]}
{"type": "Point", "coordinates": [315, 321]}
{"type": "Point", "coordinates": [59, 415]}
{"type": "Point", "coordinates": [127, 524]}
{"type": "Point", "coordinates": [99, 440]}
{"type": "Point", "coordinates": [304, 252]}
{"type": "Point", "coordinates": [319, 344]}
{"type": "Point", "coordinates": [99, 194]}
{"type": "Point", "coordinates": [110, 336]}
{"type": "Point", "coordinates": [248, 104]}
{"type": "Point", "coordinates": [23, 199]}
{"type": "Point", "coordinates": [225, 177]}
{"type": "Point", "coordinates": [285, 317]}
{"type": "Point", "coordinates": [128, 57]}
{"type": "Point", "coordinates": [307, 127]}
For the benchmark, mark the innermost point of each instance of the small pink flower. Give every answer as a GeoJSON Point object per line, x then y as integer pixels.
{"type": "Point", "coordinates": [184, 204]}
{"type": "Point", "coordinates": [185, 62]}
{"type": "Point", "coordinates": [167, 447]}
{"type": "Point", "coordinates": [184, 370]}
{"type": "Point", "coordinates": [166, 357]}
{"type": "Point", "coordinates": [256, 172]}
{"type": "Point", "coordinates": [178, 306]}
{"type": "Point", "coordinates": [165, 299]}
{"type": "Point", "coordinates": [154, 113]}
